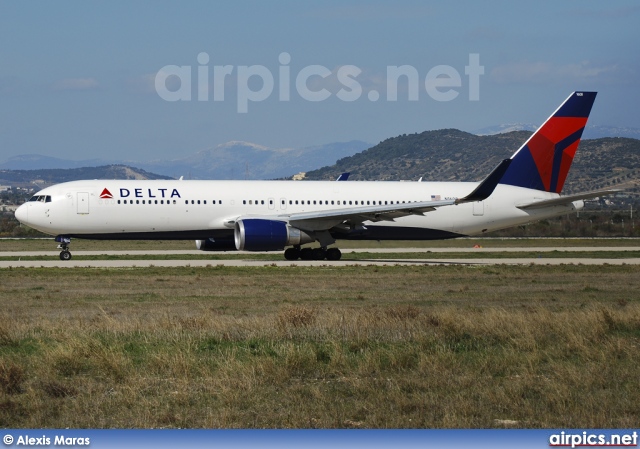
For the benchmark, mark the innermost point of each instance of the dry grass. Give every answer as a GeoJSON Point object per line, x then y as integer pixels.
{"type": "Point", "coordinates": [354, 347]}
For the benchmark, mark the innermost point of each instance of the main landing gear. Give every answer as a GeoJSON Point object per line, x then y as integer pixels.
{"type": "Point", "coordinates": [65, 254]}
{"type": "Point", "coordinates": [321, 253]}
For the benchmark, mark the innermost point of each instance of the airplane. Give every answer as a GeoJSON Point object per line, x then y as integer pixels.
{"type": "Point", "coordinates": [274, 215]}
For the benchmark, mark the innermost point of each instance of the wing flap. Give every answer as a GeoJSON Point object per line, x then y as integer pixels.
{"type": "Point", "coordinates": [387, 212]}
{"type": "Point", "coordinates": [562, 200]}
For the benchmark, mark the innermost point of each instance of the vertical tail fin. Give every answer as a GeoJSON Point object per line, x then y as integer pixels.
{"type": "Point", "coordinates": [543, 162]}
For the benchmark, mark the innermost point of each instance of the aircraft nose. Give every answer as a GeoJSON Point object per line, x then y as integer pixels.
{"type": "Point", "coordinates": [22, 213]}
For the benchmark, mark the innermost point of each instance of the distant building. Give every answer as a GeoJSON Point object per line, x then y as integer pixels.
{"type": "Point", "coordinates": [5, 188]}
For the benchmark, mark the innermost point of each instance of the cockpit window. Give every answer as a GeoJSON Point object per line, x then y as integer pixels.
{"type": "Point", "coordinates": [41, 198]}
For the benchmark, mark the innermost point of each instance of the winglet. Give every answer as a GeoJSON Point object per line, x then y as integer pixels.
{"type": "Point", "coordinates": [344, 176]}
{"type": "Point", "coordinates": [486, 187]}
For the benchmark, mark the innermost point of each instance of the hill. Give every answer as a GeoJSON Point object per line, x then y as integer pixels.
{"type": "Point", "coordinates": [56, 175]}
{"type": "Point", "coordinates": [231, 160]}
{"type": "Point", "coordinates": [245, 160]}
{"type": "Point", "coordinates": [453, 155]}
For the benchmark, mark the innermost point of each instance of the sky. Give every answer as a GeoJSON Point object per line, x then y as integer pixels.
{"type": "Point", "coordinates": [146, 80]}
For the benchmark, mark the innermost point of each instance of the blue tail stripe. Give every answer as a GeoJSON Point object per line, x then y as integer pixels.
{"type": "Point", "coordinates": [523, 172]}
{"type": "Point", "coordinates": [558, 152]}
{"type": "Point", "coordinates": [579, 105]}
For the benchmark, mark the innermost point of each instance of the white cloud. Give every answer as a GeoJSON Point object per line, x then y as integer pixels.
{"type": "Point", "coordinates": [547, 72]}
{"type": "Point", "coordinates": [76, 84]}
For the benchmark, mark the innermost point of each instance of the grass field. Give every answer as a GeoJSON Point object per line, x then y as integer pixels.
{"type": "Point", "coordinates": [347, 347]}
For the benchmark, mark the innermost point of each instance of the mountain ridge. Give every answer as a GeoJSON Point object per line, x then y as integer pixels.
{"type": "Point", "coordinates": [230, 160]}
{"type": "Point", "coordinates": [454, 155]}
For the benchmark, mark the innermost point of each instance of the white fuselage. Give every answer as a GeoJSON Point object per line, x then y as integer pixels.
{"type": "Point", "coordinates": [131, 209]}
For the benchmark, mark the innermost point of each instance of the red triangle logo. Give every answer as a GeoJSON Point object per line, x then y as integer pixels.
{"type": "Point", "coordinates": [106, 194]}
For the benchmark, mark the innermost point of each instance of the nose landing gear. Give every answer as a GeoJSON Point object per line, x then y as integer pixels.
{"type": "Point", "coordinates": [65, 254]}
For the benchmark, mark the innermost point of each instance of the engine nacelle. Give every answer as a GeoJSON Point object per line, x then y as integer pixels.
{"type": "Point", "coordinates": [218, 244]}
{"type": "Point", "coordinates": [256, 234]}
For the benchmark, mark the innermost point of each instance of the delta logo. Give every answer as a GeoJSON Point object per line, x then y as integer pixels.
{"type": "Point", "coordinates": [106, 194]}
{"type": "Point", "coordinates": [141, 193]}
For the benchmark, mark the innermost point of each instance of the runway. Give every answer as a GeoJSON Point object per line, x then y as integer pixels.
{"type": "Point", "coordinates": [49, 259]}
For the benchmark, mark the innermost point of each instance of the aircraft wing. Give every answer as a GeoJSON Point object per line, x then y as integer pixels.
{"type": "Point", "coordinates": [562, 200]}
{"type": "Point", "coordinates": [321, 220]}
{"type": "Point", "coordinates": [326, 219]}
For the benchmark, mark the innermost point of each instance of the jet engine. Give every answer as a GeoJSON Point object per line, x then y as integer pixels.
{"type": "Point", "coordinates": [255, 234]}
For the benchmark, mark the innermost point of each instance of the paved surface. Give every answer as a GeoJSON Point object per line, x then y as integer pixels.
{"type": "Point", "coordinates": [50, 258]}
{"type": "Point", "coordinates": [345, 252]}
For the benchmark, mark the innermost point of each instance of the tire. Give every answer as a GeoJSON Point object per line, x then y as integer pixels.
{"type": "Point", "coordinates": [334, 254]}
{"type": "Point", "coordinates": [65, 255]}
{"type": "Point", "coordinates": [292, 254]}
{"type": "Point", "coordinates": [319, 254]}
{"type": "Point", "coordinates": [306, 254]}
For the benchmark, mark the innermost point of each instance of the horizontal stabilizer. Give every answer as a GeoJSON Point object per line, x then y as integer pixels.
{"type": "Point", "coordinates": [567, 199]}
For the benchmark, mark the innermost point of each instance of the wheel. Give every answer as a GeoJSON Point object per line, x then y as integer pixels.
{"type": "Point", "coordinates": [306, 254]}
{"type": "Point", "coordinates": [334, 254]}
{"type": "Point", "coordinates": [65, 255]}
{"type": "Point", "coordinates": [319, 254]}
{"type": "Point", "coordinates": [292, 254]}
